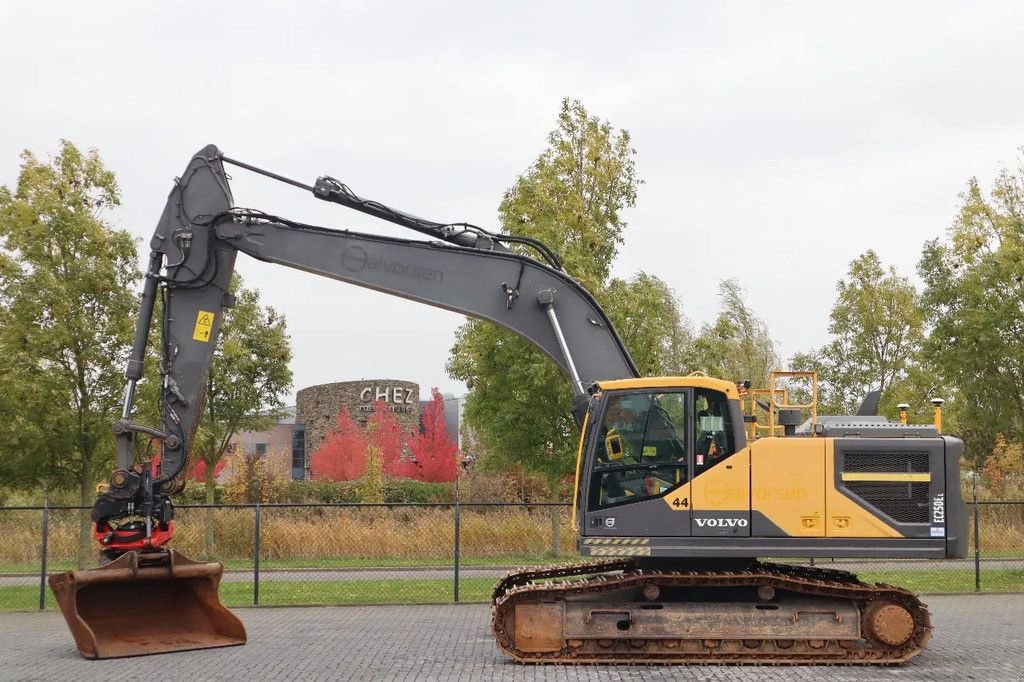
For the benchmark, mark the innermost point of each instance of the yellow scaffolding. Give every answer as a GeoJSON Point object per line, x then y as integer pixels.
{"type": "Point", "coordinates": [772, 399]}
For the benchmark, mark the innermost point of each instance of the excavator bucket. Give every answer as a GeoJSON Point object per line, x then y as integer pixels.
{"type": "Point", "coordinates": [146, 603]}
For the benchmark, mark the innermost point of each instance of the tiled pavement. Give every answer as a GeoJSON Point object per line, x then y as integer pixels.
{"type": "Point", "coordinates": [977, 637]}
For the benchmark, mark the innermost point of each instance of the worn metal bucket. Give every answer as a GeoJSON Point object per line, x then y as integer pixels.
{"type": "Point", "coordinates": [146, 603]}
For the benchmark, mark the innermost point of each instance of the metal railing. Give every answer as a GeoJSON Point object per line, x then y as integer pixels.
{"type": "Point", "coordinates": [346, 553]}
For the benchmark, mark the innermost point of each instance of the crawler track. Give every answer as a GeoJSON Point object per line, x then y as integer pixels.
{"type": "Point", "coordinates": [894, 626]}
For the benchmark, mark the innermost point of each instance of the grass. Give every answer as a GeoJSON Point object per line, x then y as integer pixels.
{"type": "Point", "coordinates": [371, 562]}
{"type": "Point", "coordinates": [430, 591]}
{"type": "Point", "coordinates": [381, 537]}
{"type": "Point", "coordinates": [442, 561]}
{"type": "Point", "coordinates": [377, 538]}
{"type": "Point", "coordinates": [336, 562]}
{"type": "Point", "coordinates": [304, 593]}
{"type": "Point", "coordinates": [24, 598]}
{"type": "Point", "coordinates": [949, 580]}
{"type": "Point", "coordinates": [433, 591]}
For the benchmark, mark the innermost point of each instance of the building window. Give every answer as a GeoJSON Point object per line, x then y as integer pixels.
{"type": "Point", "coordinates": [261, 449]}
{"type": "Point", "coordinates": [299, 452]}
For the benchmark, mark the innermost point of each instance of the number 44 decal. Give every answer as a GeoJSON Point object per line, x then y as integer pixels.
{"type": "Point", "coordinates": [680, 502]}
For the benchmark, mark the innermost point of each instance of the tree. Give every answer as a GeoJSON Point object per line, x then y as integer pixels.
{"type": "Point", "coordinates": [974, 299]}
{"type": "Point", "coordinates": [571, 198]}
{"type": "Point", "coordinates": [247, 377]}
{"type": "Point", "coordinates": [385, 438]}
{"type": "Point", "coordinates": [198, 473]}
{"type": "Point", "coordinates": [9, 409]}
{"type": "Point", "coordinates": [1004, 465]}
{"type": "Point", "coordinates": [647, 315]}
{"type": "Point", "coordinates": [738, 345]}
{"type": "Point", "coordinates": [877, 328]}
{"type": "Point", "coordinates": [66, 283]}
{"type": "Point", "coordinates": [434, 452]}
{"type": "Point", "coordinates": [255, 477]}
{"type": "Point", "coordinates": [342, 455]}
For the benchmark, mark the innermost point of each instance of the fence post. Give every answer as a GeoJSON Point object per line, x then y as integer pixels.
{"type": "Point", "coordinates": [977, 539]}
{"type": "Point", "coordinates": [46, 534]}
{"type": "Point", "coordinates": [455, 586]}
{"type": "Point", "coordinates": [556, 529]}
{"type": "Point", "coordinates": [256, 558]}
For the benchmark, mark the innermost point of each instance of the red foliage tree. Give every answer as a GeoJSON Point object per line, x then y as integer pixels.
{"type": "Point", "coordinates": [435, 452]}
{"type": "Point", "coordinates": [385, 434]}
{"type": "Point", "coordinates": [199, 470]}
{"type": "Point", "coordinates": [342, 455]}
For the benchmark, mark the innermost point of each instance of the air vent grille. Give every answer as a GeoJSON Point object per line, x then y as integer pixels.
{"type": "Point", "coordinates": [904, 502]}
{"type": "Point", "coordinates": [904, 462]}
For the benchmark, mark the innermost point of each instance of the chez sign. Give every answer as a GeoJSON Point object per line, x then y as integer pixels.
{"type": "Point", "coordinates": [398, 398]}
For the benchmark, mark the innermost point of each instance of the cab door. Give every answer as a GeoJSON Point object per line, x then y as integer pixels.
{"type": "Point", "coordinates": [720, 489]}
{"type": "Point", "coordinates": [637, 480]}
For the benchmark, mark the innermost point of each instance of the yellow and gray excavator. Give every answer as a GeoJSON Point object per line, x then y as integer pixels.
{"type": "Point", "coordinates": [682, 492]}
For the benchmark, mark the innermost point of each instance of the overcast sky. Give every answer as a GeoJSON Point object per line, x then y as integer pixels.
{"type": "Point", "coordinates": [776, 141]}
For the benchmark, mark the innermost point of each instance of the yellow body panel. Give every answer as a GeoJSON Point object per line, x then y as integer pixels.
{"type": "Point", "coordinates": [725, 487]}
{"type": "Point", "coordinates": [788, 483]}
{"type": "Point", "coordinates": [846, 519]}
{"type": "Point", "coordinates": [726, 387]}
{"type": "Point", "coordinates": [887, 477]}
{"type": "Point", "coordinates": [579, 466]}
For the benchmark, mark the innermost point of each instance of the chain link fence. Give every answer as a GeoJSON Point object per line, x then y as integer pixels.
{"type": "Point", "coordinates": [292, 554]}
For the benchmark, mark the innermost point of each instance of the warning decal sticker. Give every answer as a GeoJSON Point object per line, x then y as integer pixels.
{"type": "Point", "coordinates": [204, 325]}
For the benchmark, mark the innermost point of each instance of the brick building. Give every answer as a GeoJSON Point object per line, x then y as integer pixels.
{"type": "Point", "coordinates": [298, 434]}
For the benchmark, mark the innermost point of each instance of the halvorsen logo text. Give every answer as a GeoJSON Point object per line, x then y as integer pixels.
{"type": "Point", "coordinates": [721, 523]}
{"type": "Point", "coordinates": [355, 258]}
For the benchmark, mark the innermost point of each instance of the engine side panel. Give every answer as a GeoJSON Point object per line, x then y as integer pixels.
{"type": "Point", "coordinates": [787, 488]}
{"type": "Point", "coordinates": [886, 487]}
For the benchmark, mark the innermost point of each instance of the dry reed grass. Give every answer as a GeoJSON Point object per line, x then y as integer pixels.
{"type": "Point", "coordinates": [397, 533]}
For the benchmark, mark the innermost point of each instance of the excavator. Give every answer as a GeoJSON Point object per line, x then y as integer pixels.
{"type": "Point", "coordinates": [683, 494]}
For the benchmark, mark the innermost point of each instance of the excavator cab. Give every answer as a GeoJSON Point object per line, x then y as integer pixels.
{"type": "Point", "coordinates": [645, 441]}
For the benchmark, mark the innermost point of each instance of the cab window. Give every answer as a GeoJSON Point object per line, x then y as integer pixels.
{"type": "Point", "coordinates": [713, 425]}
{"type": "Point", "coordinates": [641, 448]}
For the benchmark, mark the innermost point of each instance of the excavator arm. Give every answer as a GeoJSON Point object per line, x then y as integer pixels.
{"type": "Point", "coordinates": [151, 600]}
{"type": "Point", "coordinates": [463, 269]}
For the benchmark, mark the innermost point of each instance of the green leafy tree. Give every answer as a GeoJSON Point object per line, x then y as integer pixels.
{"type": "Point", "coordinates": [921, 383]}
{"type": "Point", "coordinates": [647, 315]}
{"type": "Point", "coordinates": [738, 344]}
{"type": "Point", "coordinates": [66, 283]}
{"type": "Point", "coordinates": [248, 375]}
{"type": "Point", "coordinates": [877, 328]}
{"type": "Point", "coordinates": [9, 413]}
{"type": "Point", "coordinates": [573, 195]}
{"type": "Point", "coordinates": [974, 298]}
{"type": "Point", "coordinates": [572, 199]}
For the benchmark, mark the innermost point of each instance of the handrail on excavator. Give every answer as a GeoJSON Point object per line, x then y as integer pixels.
{"type": "Point", "coordinates": [754, 429]}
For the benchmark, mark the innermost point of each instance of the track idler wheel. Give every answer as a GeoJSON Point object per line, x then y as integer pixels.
{"type": "Point", "coordinates": [888, 623]}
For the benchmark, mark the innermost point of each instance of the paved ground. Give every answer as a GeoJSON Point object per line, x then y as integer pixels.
{"type": "Point", "coordinates": [977, 637]}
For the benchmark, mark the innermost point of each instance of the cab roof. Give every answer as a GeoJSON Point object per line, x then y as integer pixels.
{"type": "Point", "coordinates": [726, 387]}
